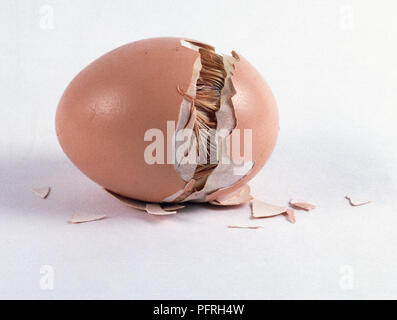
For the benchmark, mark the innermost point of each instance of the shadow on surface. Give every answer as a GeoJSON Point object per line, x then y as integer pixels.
{"type": "Point", "coordinates": [71, 191]}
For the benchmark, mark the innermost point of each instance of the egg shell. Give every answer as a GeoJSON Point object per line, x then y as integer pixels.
{"type": "Point", "coordinates": [105, 111]}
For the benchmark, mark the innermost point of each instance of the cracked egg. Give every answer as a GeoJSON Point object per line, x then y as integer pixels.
{"type": "Point", "coordinates": [144, 121]}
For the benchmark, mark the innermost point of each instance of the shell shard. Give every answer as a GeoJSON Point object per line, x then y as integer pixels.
{"type": "Point", "coordinates": [261, 209]}
{"type": "Point", "coordinates": [157, 210]}
{"type": "Point", "coordinates": [243, 227]}
{"type": "Point", "coordinates": [300, 204]}
{"type": "Point", "coordinates": [136, 204]}
{"type": "Point", "coordinates": [172, 206]}
{"type": "Point", "coordinates": [356, 202]}
{"type": "Point", "coordinates": [291, 215]}
{"type": "Point", "coordinates": [240, 196]}
{"type": "Point", "coordinates": [82, 217]}
{"type": "Point", "coordinates": [42, 192]}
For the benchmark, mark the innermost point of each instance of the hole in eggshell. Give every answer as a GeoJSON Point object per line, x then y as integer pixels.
{"type": "Point", "coordinates": [207, 102]}
{"type": "Point", "coordinates": [214, 113]}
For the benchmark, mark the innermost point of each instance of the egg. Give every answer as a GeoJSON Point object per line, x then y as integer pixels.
{"type": "Point", "coordinates": [168, 120]}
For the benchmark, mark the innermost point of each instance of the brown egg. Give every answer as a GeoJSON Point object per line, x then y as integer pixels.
{"type": "Point", "coordinates": [144, 121]}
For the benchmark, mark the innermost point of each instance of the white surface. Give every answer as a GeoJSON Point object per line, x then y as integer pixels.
{"type": "Point", "coordinates": [333, 68]}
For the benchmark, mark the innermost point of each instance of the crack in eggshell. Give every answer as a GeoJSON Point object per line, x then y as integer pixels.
{"type": "Point", "coordinates": [224, 175]}
{"type": "Point", "coordinates": [180, 195]}
{"type": "Point", "coordinates": [186, 191]}
{"type": "Point", "coordinates": [195, 45]}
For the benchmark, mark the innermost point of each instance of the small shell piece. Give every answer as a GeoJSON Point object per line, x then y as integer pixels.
{"type": "Point", "coordinates": [140, 205]}
{"type": "Point", "coordinates": [42, 192]}
{"type": "Point", "coordinates": [242, 195]}
{"type": "Point", "coordinates": [81, 217]}
{"type": "Point", "coordinates": [244, 227]}
{"type": "Point", "coordinates": [357, 202]}
{"type": "Point", "coordinates": [300, 204]}
{"type": "Point", "coordinates": [157, 210]}
{"type": "Point", "coordinates": [262, 209]}
{"type": "Point", "coordinates": [291, 215]}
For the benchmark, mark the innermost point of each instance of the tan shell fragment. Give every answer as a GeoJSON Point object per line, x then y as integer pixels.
{"type": "Point", "coordinates": [291, 215]}
{"type": "Point", "coordinates": [186, 190]}
{"type": "Point", "coordinates": [357, 202]}
{"type": "Point", "coordinates": [42, 192]}
{"type": "Point", "coordinates": [262, 209]}
{"type": "Point", "coordinates": [81, 217]}
{"type": "Point", "coordinates": [244, 227]}
{"type": "Point", "coordinates": [155, 209]}
{"type": "Point", "coordinates": [242, 195]}
{"type": "Point", "coordinates": [299, 204]}
{"type": "Point", "coordinates": [140, 205]}
{"type": "Point", "coordinates": [172, 206]}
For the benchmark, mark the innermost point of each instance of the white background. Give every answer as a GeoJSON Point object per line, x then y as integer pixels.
{"type": "Point", "coordinates": [333, 68]}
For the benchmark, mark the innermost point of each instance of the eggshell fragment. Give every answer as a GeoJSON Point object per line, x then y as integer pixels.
{"type": "Point", "coordinates": [262, 209]}
{"type": "Point", "coordinates": [240, 196]}
{"type": "Point", "coordinates": [155, 209]}
{"type": "Point", "coordinates": [81, 217]}
{"type": "Point", "coordinates": [172, 206]}
{"type": "Point", "coordinates": [131, 93]}
{"type": "Point", "coordinates": [243, 227]}
{"type": "Point", "coordinates": [357, 202]}
{"type": "Point", "coordinates": [140, 205]}
{"type": "Point", "coordinates": [299, 204]}
{"type": "Point", "coordinates": [291, 215]}
{"type": "Point", "coordinates": [180, 195]}
{"type": "Point", "coordinates": [42, 192]}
